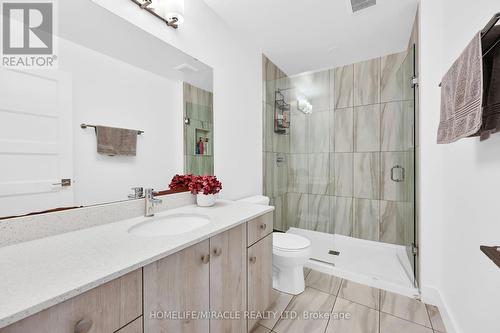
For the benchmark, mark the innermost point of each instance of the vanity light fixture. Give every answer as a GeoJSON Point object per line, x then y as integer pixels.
{"type": "Point", "coordinates": [169, 11]}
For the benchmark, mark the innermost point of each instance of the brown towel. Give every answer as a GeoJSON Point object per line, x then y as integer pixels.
{"type": "Point", "coordinates": [116, 141]}
{"type": "Point", "coordinates": [491, 108]}
{"type": "Point", "coordinates": [462, 95]}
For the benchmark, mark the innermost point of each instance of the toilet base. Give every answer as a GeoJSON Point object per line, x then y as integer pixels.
{"type": "Point", "coordinates": [289, 279]}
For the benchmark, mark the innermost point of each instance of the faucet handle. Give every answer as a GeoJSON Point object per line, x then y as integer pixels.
{"type": "Point", "coordinates": [138, 193]}
{"type": "Point", "coordinates": [149, 192]}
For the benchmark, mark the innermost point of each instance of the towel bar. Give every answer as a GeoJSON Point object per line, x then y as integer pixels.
{"type": "Point", "coordinates": [139, 132]}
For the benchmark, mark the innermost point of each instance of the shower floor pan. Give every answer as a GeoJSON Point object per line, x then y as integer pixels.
{"type": "Point", "coordinates": [379, 265]}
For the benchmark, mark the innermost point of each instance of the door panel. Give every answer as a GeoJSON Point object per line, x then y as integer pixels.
{"type": "Point", "coordinates": [35, 131]}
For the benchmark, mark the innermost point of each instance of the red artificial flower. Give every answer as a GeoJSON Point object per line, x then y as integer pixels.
{"type": "Point", "coordinates": [181, 182]}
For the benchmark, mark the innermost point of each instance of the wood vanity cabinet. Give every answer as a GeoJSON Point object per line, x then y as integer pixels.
{"type": "Point", "coordinates": [260, 277]}
{"type": "Point", "coordinates": [228, 274]}
{"type": "Point", "coordinates": [228, 280]}
{"type": "Point", "coordinates": [106, 308]}
{"type": "Point", "coordinates": [219, 275]}
{"type": "Point", "coordinates": [175, 286]}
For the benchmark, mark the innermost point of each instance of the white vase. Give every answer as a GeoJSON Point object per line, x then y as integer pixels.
{"type": "Point", "coordinates": [205, 200]}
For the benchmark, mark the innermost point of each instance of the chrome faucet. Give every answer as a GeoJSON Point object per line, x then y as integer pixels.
{"type": "Point", "coordinates": [151, 202]}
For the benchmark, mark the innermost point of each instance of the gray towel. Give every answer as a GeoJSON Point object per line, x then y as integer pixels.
{"type": "Point", "coordinates": [491, 109]}
{"type": "Point", "coordinates": [462, 95]}
{"type": "Point", "coordinates": [116, 141]}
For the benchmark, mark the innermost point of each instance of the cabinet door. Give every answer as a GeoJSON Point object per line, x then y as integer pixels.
{"type": "Point", "coordinates": [260, 277]}
{"type": "Point", "coordinates": [102, 309]}
{"type": "Point", "coordinates": [228, 280]}
{"type": "Point", "coordinates": [175, 288]}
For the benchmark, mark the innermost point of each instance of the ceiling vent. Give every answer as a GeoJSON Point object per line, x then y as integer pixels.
{"type": "Point", "coordinates": [186, 68]}
{"type": "Point", "coordinates": [358, 5]}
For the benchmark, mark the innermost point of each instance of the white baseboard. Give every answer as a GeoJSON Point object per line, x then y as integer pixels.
{"type": "Point", "coordinates": [433, 296]}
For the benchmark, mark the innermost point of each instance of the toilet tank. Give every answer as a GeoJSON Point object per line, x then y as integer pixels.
{"type": "Point", "coordinates": [257, 199]}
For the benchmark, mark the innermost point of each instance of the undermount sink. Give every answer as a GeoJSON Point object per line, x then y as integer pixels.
{"type": "Point", "coordinates": [169, 225]}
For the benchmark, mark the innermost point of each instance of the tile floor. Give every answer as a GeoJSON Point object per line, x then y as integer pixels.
{"type": "Point", "coordinates": [371, 310]}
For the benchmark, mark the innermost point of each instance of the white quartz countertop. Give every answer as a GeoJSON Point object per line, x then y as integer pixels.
{"type": "Point", "coordinates": [38, 274]}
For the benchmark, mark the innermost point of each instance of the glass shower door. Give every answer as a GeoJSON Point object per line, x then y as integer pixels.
{"type": "Point", "coordinates": [409, 108]}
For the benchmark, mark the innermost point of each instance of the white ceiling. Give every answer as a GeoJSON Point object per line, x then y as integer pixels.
{"type": "Point", "coordinates": [308, 35]}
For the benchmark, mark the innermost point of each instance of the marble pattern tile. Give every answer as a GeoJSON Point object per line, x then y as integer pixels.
{"type": "Point", "coordinates": [367, 128]}
{"type": "Point", "coordinates": [395, 127]}
{"type": "Point", "coordinates": [360, 294]}
{"type": "Point", "coordinates": [268, 161]}
{"type": "Point", "coordinates": [366, 219]}
{"type": "Point", "coordinates": [435, 317]}
{"type": "Point", "coordinates": [341, 174]}
{"type": "Point", "coordinates": [363, 319]}
{"type": "Point", "coordinates": [404, 307]}
{"type": "Point", "coordinates": [342, 215]}
{"type": "Point", "coordinates": [343, 86]}
{"type": "Point", "coordinates": [268, 126]}
{"type": "Point", "coordinates": [319, 218]}
{"type": "Point", "coordinates": [278, 306]}
{"type": "Point", "coordinates": [319, 132]}
{"type": "Point", "coordinates": [343, 125]}
{"type": "Point", "coordinates": [367, 175]}
{"type": "Point", "coordinates": [324, 282]}
{"type": "Point", "coordinates": [298, 173]}
{"type": "Point", "coordinates": [299, 133]}
{"type": "Point", "coordinates": [319, 173]}
{"type": "Point", "coordinates": [396, 164]}
{"type": "Point", "coordinates": [391, 324]}
{"type": "Point", "coordinates": [310, 300]}
{"type": "Point", "coordinates": [391, 77]}
{"type": "Point", "coordinates": [367, 82]}
{"type": "Point", "coordinates": [394, 218]}
{"type": "Point", "coordinates": [297, 208]}
{"type": "Point", "coordinates": [279, 212]}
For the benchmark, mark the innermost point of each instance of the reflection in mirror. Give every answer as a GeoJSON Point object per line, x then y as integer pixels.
{"type": "Point", "coordinates": [198, 131]}
{"type": "Point", "coordinates": [119, 78]}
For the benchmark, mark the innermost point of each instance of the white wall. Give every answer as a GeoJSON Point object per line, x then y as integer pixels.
{"type": "Point", "coordinates": [237, 88]}
{"type": "Point", "coordinates": [109, 92]}
{"type": "Point", "coordinates": [459, 182]}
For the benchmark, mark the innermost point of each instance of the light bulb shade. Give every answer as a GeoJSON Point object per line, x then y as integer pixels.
{"type": "Point", "coordinates": [169, 9]}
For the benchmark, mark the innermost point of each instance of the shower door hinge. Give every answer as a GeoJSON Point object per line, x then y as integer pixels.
{"type": "Point", "coordinates": [414, 82]}
{"type": "Point", "coordinates": [414, 249]}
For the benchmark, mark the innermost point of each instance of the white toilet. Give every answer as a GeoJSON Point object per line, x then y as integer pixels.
{"type": "Point", "coordinates": [290, 253]}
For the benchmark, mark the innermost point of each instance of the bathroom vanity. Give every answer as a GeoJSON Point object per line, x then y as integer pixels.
{"type": "Point", "coordinates": [144, 284]}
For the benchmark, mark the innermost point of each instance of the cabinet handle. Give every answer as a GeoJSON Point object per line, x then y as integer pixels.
{"type": "Point", "coordinates": [253, 260]}
{"type": "Point", "coordinates": [83, 326]}
{"type": "Point", "coordinates": [205, 259]}
{"type": "Point", "coordinates": [263, 226]}
{"type": "Point", "coordinates": [217, 251]}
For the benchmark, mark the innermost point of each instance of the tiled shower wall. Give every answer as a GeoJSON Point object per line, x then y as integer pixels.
{"type": "Point", "coordinates": [198, 107]}
{"type": "Point", "coordinates": [332, 172]}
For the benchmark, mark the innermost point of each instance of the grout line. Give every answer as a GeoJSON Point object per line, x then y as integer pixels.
{"type": "Point", "coordinates": [429, 315]}
{"type": "Point", "coordinates": [407, 320]}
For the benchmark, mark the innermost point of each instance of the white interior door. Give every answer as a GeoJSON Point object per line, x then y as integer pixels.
{"type": "Point", "coordinates": [36, 140]}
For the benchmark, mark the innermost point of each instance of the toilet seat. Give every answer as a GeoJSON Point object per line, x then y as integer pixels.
{"type": "Point", "coordinates": [286, 242]}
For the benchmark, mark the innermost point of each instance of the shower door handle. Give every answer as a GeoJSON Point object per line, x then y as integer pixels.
{"type": "Point", "coordinates": [402, 174]}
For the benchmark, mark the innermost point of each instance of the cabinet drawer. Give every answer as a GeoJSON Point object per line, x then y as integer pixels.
{"type": "Point", "coordinates": [133, 327]}
{"type": "Point", "coordinates": [107, 308]}
{"type": "Point", "coordinates": [259, 228]}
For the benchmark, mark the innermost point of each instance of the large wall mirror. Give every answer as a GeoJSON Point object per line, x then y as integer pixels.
{"type": "Point", "coordinates": [111, 75]}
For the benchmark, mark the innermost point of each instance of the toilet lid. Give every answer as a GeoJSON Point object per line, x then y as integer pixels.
{"type": "Point", "coordinates": [289, 242]}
